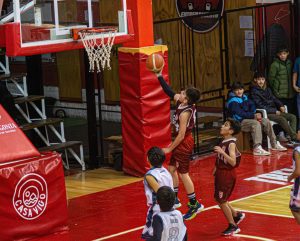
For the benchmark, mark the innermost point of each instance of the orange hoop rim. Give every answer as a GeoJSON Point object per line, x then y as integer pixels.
{"type": "Point", "coordinates": [103, 29]}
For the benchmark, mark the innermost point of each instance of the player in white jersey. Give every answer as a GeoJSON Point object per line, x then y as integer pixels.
{"type": "Point", "coordinates": [156, 177]}
{"type": "Point", "coordinates": [168, 223]}
{"type": "Point", "coordinates": [295, 192]}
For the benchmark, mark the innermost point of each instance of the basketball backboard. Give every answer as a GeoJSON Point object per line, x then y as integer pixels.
{"type": "Point", "coordinates": [47, 22]}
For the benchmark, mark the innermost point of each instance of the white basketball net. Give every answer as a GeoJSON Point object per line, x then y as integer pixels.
{"type": "Point", "coordinates": [97, 49]}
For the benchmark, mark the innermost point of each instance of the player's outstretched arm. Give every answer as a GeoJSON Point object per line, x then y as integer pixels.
{"type": "Point", "coordinates": [167, 89]}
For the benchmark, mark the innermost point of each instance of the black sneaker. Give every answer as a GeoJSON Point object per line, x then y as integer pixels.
{"type": "Point", "coordinates": [232, 229]}
{"type": "Point", "coordinates": [239, 218]}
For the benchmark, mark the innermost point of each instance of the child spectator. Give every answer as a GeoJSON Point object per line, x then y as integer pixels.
{"type": "Point", "coordinates": [296, 85]}
{"type": "Point", "coordinates": [168, 223]}
{"type": "Point", "coordinates": [280, 79]}
{"type": "Point", "coordinates": [227, 161]}
{"type": "Point", "coordinates": [243, 110]}
{"type": "Point", "coordinates": [156, 177]}
{"type": "Point", "coordinates": [264, 99]}
{"type": "Point", "coordinates": [295, 192]}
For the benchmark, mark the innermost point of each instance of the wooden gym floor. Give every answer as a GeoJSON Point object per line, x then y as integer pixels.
{"type": "Point", "coordinates": [108, 205]}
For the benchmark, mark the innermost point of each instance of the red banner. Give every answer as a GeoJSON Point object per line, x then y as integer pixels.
{"type": "Point", "coordinates": [14, 144]}
{"type": "Point", "coordinates": [33, 198]}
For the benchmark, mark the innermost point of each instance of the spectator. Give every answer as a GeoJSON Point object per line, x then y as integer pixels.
{"type": "Point", "coordinates": [264, 99]}
{"type": "Point", "coordinates": [243, 110]}
{"type": "Point", "coordinates": [280, 79]}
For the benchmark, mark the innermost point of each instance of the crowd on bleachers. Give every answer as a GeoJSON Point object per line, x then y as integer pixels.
{"type": "Point", "coordinates": [270, 100]}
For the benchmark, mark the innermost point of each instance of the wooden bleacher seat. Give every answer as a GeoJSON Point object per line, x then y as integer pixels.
{"type": "Point", "coordinates": [114, 146]}
{"type": "Point", "coordinates": [67, 147]}
{"type": "Point", "coordinates": [208, 119]}
{"type": "Point", "coordinates": [30, 98]}
{"type": "Point", "coordinates": [244, 141]}
{"type": "Point", "coordinates": [12, 76]}
{"type": "Point", "coordinates": [60, 146]}
{"type": "Point", "coordinates": [40, 123]}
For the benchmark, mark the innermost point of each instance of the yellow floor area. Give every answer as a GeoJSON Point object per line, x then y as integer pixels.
{"type": "Point", "coordinates": [274, 203]}
{"type": "Point", "coordinates": [97, 180]}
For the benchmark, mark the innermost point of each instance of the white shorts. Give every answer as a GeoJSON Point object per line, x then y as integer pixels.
{"type": "Point", "coordinates": [295, 198]}
{"type": "Point", "coordinates": [148, 230]}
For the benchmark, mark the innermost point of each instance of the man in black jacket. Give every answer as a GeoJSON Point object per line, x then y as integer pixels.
{"type": "Point", "coordinates": [264, 99]}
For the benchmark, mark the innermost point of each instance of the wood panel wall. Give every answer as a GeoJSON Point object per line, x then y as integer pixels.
{"type": "Point", "coordinates": [199, 50]}
{"type": "Point", "coordinates": [69, 75]}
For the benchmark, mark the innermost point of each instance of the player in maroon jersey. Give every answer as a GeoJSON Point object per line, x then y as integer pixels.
{"type": "Point", "coordinates": [228, 159]}
{"type": "Point", "coordinates": [183, 145]}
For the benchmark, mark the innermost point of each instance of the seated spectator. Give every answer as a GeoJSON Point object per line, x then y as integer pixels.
{"type": "Point", "coordinates": [296, 85]}
{"type": "Point", "coordinates": [280, 78]}
{"type": "Point", "coordinates": [243, 110]}
{"type": "Point", "coordinates": [264, 99]}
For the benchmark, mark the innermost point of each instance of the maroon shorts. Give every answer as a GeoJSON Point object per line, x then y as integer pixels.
{"type": "Point", "coordinates": [181, 155]}
{"type": "Point", "coordinates": [224, 184]}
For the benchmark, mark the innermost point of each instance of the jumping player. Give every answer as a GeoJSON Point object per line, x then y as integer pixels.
{"type": "Point", "coordinates": [295, 192]}
{"type": "Point", "coordinates": [183, 145]}
{"type": "Point", "coordinates": [156, 177]}
{"type": "Point", "coordinates": [168, 223]}
{"type": "Point", "coordinates": [228, 159]}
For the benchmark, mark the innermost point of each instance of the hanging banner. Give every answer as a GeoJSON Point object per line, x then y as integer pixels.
{"type": "Point", "coordinates": [192, 9]}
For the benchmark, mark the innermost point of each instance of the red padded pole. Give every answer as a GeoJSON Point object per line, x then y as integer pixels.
{"type": "Point", "coordinates": [143, 23]}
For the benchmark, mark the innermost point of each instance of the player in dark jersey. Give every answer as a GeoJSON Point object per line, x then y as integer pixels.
{"type": "Point", "coordinates": [228, 159]}
{"type": "Point", "coordinates": [183, 145]}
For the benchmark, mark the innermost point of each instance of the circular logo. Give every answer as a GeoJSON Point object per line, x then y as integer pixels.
{"type": "Point", "coordinates": [192, 9]}
{"type": "Point", "coordinates": [30, 196]}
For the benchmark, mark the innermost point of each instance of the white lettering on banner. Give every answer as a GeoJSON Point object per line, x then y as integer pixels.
{"type": "Point", "coordinates": [31, 196]}
{"type": "Point", "coordinates": [276, 177]}
{"type": "Point", "coordinates": [7, 128]}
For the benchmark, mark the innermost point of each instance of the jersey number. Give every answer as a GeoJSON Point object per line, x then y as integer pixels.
{"type": "Point", "coordinates": [173, 234]}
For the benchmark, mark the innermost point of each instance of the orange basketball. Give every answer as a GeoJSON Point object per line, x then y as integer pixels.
{"type": "Point", "coordinates": [155, 62]}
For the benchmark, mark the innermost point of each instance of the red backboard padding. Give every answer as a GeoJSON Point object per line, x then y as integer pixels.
{"type": "Point", "coordinates": [33, 198]}
{"type": "Point", "coordinates": [14, 144]}
{"type": "Point", "coordinates": [10, 38]}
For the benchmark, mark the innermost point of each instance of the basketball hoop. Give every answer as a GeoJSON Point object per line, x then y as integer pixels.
{"type": "Point", "coordinates": [97, 43]}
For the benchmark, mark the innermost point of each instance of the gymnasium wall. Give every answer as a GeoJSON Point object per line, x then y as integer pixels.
{"type": "Point", "coordinates": [207, 72]}
{"type": "Point", "coordinates": [206, 47]}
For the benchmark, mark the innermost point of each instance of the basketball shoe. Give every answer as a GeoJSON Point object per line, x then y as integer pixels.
{"type": "Point", "coordinates": [193, 210]}
{"type": "Point", "coordinates": [239, 218]}
{"type": "Point", "coordinates": [232, 229]}
{"type": "Point", "coordinates": [177, 203]}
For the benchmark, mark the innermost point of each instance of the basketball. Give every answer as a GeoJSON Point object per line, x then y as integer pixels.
{"type": "Point", "coordinates": [155, 62]}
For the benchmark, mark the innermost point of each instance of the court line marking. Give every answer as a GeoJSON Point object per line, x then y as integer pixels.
{"type": "Point", "coordinates": [205, 209]}
{"type": "Point", "coordinates": [252, 237]}
{"type": "Point", "coordinates": [267, 214]}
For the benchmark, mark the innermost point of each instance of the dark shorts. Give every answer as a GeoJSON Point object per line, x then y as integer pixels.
{"type": "Point", "coordinates": [294, 208]}
{"type": "Point", "coordinates": [224, 184]}
{"type": "Point", "coordinates": [181, 155]}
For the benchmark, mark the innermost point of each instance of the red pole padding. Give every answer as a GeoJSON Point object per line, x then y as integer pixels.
{"type": "Point", "coordinates": [145, 109]}
{"type": "Point", "coordinates": [33, 198]}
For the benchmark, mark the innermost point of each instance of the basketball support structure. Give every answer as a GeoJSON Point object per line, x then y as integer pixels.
{"type": "Point", "coordinates": [145, 108]}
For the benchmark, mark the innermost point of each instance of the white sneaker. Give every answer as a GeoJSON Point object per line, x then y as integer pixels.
{"type": "Point", "coordinates": [278, 147]}
{"type": "Point", "coordinates": [259, 151]}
